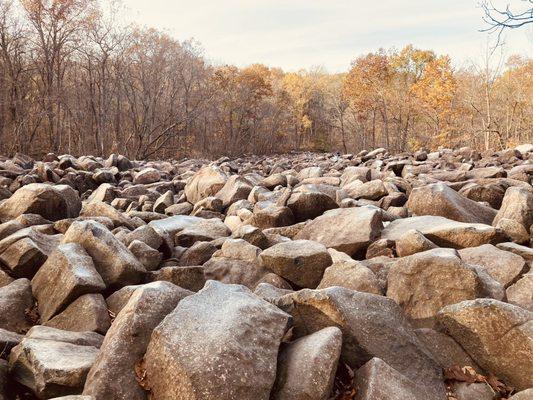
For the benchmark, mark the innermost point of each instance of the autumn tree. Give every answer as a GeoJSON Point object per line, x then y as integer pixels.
{"type": "Point", "coordinates": [239, 96]}
{"type": "Point", "coordinates": [435, 91]}
{"type": "Point", "coordinates": [74, 78]}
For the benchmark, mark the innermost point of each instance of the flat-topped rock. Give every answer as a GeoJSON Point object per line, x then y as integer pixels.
{"type": "Point", "coordinates": [444, 232]}
{"type": "Point", "coordinates": [349, 230]}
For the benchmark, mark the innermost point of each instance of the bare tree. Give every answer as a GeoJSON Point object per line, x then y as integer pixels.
{"type": "Point", "coordinates": [511, 17]}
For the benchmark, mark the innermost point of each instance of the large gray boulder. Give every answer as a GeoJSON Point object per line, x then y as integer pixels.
{"type": "Point", "coordinates": [301, 262]}
{"type": "Point", "coordinates": [521, 292]}
{"type": "Point", "coordinates": [307, 366]}
{"type": "Point", "coordinates": [53, 202]}
{"type": "Point", "coordinates": [517, 205]}
{"type": "Point", "coordinates": [237, 262]}
{"type": "Point", "coordinates": [23, 252]}
{"type": "Point", "coordinates": [68, 273]}
{"type": "Point", "coordinates": [352, 275]}
{"type": "Point", "coordinates": [378, 380]}
{"type": "Point", "coordinates": [114, 262]}
{"type": "Point", "coordinates": [202, 231]}
{"type": "Point", "coordinates": [146, 176]}
{"type": "Point", "coordinates": [425, 282]}
{"type": "Point", "coordinates": [445, 350]}
{"type": "Point", "coordinates": [41, 332]}
{"type": "Point", "coordinates": [206, 182]}
{"type": "Point", "coordinates": [113, 373]}
{"type": "Point", "coordinates": [16, 302]}
{"type": "Point", "coordinates": [441, 200]}
{"type": "Point", "coordinates": [236, 188]}
{"type": "Point", "coordinates": [497, 335]}
{"type": "Point", "coordinates": [221, 343]}
{"type": "Point", "coordinates": [51, 368]}
{"type": "Point", "coordinates": [372, 326]}
{"type": "Point", "coordinates": [308, 202]}
{"type": "Point", "coordinates": [87, 313]}
{"type": "Point", "coordinates": [503, 266]}
{"type": "Point", "coordinates": [444, 232]}
{"type": "Point", "coordinates": [349, 230]}
{"type": "Point", "coordinates": [101, 209]}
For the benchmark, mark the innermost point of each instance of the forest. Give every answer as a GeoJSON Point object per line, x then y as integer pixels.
{"type": "Point", "coordinates": [74, 79]}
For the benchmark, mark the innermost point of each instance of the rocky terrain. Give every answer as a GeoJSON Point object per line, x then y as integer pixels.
{"type": "Point", "coordinates": [368, 276]}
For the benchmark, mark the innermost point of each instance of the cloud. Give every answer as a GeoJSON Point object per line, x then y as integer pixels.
{"type": "Point", "coordinates": [294, 34]}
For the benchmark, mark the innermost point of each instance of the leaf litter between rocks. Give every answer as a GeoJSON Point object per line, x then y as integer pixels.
{"type": "Point", "coordinates": [469, 375]}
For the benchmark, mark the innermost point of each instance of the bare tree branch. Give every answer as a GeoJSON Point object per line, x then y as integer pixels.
{"type": "Point", "coordinates": [499, 20]}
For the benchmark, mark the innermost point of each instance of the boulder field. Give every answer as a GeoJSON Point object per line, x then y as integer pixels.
{"type": "Point", "coordinates": [370, 276]}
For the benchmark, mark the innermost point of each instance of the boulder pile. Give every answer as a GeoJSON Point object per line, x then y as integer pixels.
{"type": "Point", "coordinates": [370, 276]}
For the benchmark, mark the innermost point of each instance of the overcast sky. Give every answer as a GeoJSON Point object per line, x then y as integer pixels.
{"type": "Point", "coordinates": [295, 34]}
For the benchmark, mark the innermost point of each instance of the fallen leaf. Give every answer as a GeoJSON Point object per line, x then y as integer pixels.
{"type": "Point", "coordinates": [140, 374]}
{"type": "Point", "coordinates": [469, 375]}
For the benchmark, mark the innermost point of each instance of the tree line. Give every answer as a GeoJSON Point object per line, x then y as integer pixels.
{"type": "Point", "coordinates": [73, 79]}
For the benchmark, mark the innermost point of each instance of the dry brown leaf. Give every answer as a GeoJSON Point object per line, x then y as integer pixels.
{"type": "Point", "coordinates": [344, 385]}
{"type": "Point", "coordinates": [469, 375]}
{"type": "Point", "coordinates": [140, 374]}
{"type": "Point", "coordinates": [462, 374]}
{"type": "Point", "coordinates": [32, 314]}
{"type": "Point", "coordinates": [498, 386]}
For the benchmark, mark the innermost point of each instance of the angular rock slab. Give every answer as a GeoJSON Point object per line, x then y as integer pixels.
{"type": "Point", "coordinates": [206, 182]}
{"type": "Point", "coordinates": [51, 202]}
{"type": "Point", "coordinates": [441, 200]}
{"type": "Point", "coordinates": [86, 313]}
{"type": "Point", "coordinates": [372, 326]}
{"type": "Point", "coordinates": [307, 366]}
{"type": "Point", "coordinates": [352, 275]}
{"type": "Point", "coordinates": [301, 262]}
{"type": "Point", "coordinates": [113, 373]}
{"type": "Point", "coordinates": [349, 230]}
{"type": "Point", "coordinates": [309, 203]}
{"type": "Point", "coordinates": [413, 242]}
{"type": "Point", "coordinates": [503, 266]}
{"type": "Point", "coordinates": [236, 188]}
{"type": "Point", "coordinates": [497, 335]}
{"type": "Point", "coordinates": [114, 262]}
{"type": "Point", "coordinates": [445, 350]}
{"type": "Point", "coordinates": [68, 273]}
{"type": "Point", "coordinates": [221, 343]}
{"type": "Point", "coordinates": [425, 282]}
{"type": "Point", "coordinates": [15, 302]}
{"type": "Point", "coordinates": [25, 251]}
{"type": "Point", "coordinates": [51, 368]}
{"type": "Point", "coordinates": [517, 205]}
{"type": "Point", "coordinates": [234, 271]}
{"type": "Point", "coordinates": [8, 340]}
{"type": "Point", "coordinates": [521, 293]}
{"type": "Point", "coordinates": [41, 332]}
{"type": "Point", "coordinates": [204, 230]}
{"type": "Point", "coordinates": [378, 380]}
{"type": "Point", "coordinates": [444, 232]}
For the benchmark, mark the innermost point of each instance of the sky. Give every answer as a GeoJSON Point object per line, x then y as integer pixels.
{"type": "Point", "coordinates": [295, 34]}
